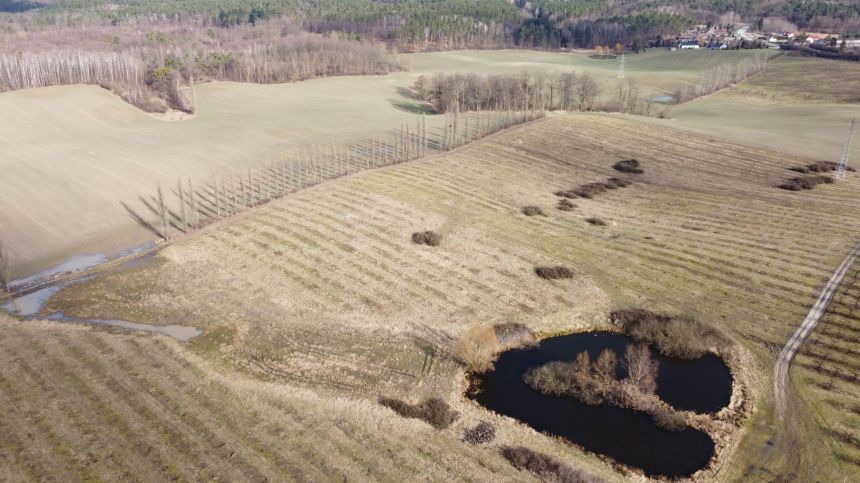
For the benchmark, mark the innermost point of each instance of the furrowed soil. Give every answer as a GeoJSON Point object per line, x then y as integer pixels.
{"type": "Point", "coordinates": [324, 289]}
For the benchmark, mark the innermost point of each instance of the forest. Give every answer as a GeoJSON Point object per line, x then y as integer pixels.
{"type": "Point", "coordinates": [419, 25]}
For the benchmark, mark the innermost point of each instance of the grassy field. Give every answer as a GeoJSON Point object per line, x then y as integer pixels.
{"type": "Point", "coordinates": [798, 105]}
{"type": "Point", "coordinates": [70, 154]}
{"type": "Point", "coordinates": [323, 289]}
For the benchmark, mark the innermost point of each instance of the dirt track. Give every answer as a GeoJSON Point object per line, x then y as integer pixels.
{"type": "Point", "coordinates": [780, 382]}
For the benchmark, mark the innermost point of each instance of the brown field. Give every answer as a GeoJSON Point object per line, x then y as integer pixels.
{"type": "Point", "coordinates": [324, 290]}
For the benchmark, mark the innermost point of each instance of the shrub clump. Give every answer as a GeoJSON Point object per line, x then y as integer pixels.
{"type": "Point", "coordinates": [481, 433]}
{"type": "Point", "coordinates": [819, 167]}
{"type": "Point", "coordinates": [805, 183]}
{"type": "Point", "coordinates": [613, 183]}
{"type": "Point", "coordinates": [429, 238]}
{"type": "Point", "coordinates": [532, 211]}
{"type": "Point", "coordinates": [553, 273]}
{"type": "Point", "coordinates": [477, 348]}
{"type": "Point", "coordinates": [595, 221]}
{"type": "Point", "coordinates": [673, 336]}
{"type": "Point", "coordinates": [566, 194]}
{"type": "Point", "coordinates": [589, 190]}
{"type": "Point", "coordinates": [565, 205]}
{"type": "Point", "coordinates": [434, 411]}
{"type": "Point", "coordinates": [545, 466]}
{"type": "Point", "coordinates": [628, 166]}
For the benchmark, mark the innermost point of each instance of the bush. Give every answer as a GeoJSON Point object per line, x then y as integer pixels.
{"type": "Point", "coordinates": [673, 336]}
{"type": "Point", "coordinates": [805, 183]}
{"type": "Point", "coordinates": [434, 411]}
{"type": "Point", "coordinates": [595, 221]}
{"type": "Point", "coordinates": [628, 166]}
{"type": "Point", "coordinates": [819, 167]}
{"type": "Point", "coordinates": [545, 466]}
{"type": "Point", "coordinates": [483, 432]}
{"type": "Point", "coordinates": [566, 194]}
{"type": "Point", "coordinates": [477, 348]}
{"type": "Point", "coordinates": [565, 205]}
{"type": "Point", "coordinates": [613, 183]}
{"type": "Point", "coordinates": [429, 238]}
{"type": "Point", "coordinates": [532, 211]}
{"type": "Point", "coordinates": [553, 273]}
{"type": "Point", "coordinates": [589, 190]}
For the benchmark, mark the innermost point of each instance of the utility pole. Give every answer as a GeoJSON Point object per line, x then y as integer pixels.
{"type": "Point", "coordinates": [843, 160]}
{"type": "Point", "coordinates": [621, 68]}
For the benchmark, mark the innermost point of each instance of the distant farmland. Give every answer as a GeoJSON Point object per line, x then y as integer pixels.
{"type": "Point", "coordinates": [70, 154]}
{"type": "Point", "coordinates": [324, 289]}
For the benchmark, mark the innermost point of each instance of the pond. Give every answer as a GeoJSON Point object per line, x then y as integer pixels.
{"type": "Point", "coordinates": [629, 437]}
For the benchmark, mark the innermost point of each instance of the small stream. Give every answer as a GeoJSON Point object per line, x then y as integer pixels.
{"type": "Point", "coordinates": [702, 385]}
{"type": "Point", "coordinates": [31, 306]}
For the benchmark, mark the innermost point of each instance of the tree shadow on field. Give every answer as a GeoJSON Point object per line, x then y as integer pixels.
{"type": "Point", "coordinates": [411, 103]}
{"type": "Point", "coordinates": [413, 107]}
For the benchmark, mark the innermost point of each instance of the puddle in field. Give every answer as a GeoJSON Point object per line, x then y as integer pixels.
{"type": "Point", "coordinates": [702, 385]}
{"type": "Point", "coordinates": [32, 305]}
{"type": "Point", "coordinates": [178, 332]}
{"type": "Point", "coordinates": [663, 99]}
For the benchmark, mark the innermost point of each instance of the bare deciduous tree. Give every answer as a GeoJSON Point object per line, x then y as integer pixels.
{"type": "Point", "coordinates": [641, 368]}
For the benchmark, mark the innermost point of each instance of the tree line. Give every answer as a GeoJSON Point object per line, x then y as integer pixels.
{"type": "Point", "coordinates": [191, 206]}
{"type": "Point", "coordinates": [150, 77]}
{"type": "Point", "coordinates": [525, 91]}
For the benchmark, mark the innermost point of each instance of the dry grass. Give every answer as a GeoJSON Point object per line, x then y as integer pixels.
{"type": "Point", "coordinates": [324, 289]}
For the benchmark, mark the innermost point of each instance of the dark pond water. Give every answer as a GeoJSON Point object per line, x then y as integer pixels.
{"type": "Point", "coordinates": [702, 385]}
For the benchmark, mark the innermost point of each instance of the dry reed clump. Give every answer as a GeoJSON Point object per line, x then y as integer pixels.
{"type": "Point", "coordinates": [477, 348]}
{"type": "Point", "coordinates": [434, 411]}
{"type": "Point", "coordinates": [429, 238]}
{"type": "Point", "coordinates": [553, 273]}
{"type": "Point", "coordinates": [819, 167]}
{"type": "Point", "coordinates": [532, 211]}
{"type": "Point", "coordinates": [595, 221]}
{"type": "Point", "coordinates": [545, 466]}
{"type": "Point", "coordinates": [673, 336]}
{"type": "Point", "coordinates": [669, 420]}
{"type": "Point", "coordinates": [805, 183]}
{"type": "Point", "coordinates": [628, 166]}
{"type": "Point", "coordinates": [514, 334]}
{"type": "Point", "coordinates": [565, 205]}
{"type": "Point", "coordinates": [481, 433]}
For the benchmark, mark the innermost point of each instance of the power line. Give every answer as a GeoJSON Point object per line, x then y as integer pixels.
{"type": "Point", "coordinates": [843, 160]}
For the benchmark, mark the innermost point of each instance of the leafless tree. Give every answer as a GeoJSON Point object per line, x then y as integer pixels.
{"type": "Point", "coordinates": [641, 368]}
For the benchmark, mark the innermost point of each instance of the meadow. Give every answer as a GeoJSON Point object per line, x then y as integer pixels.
{"type": "Point", "coordinates": [324, 290]}
{"type": "Point", "coordinates": [798, 105]}
{"type": "Point", "coordinates": [72, 153]}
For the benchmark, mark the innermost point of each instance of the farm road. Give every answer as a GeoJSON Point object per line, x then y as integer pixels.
{"type": "Point", "coordinates": [783, 363]}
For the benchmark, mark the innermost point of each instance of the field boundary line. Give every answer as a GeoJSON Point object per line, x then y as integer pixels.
{"type": "Point", "coordinates": [783, 363]}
